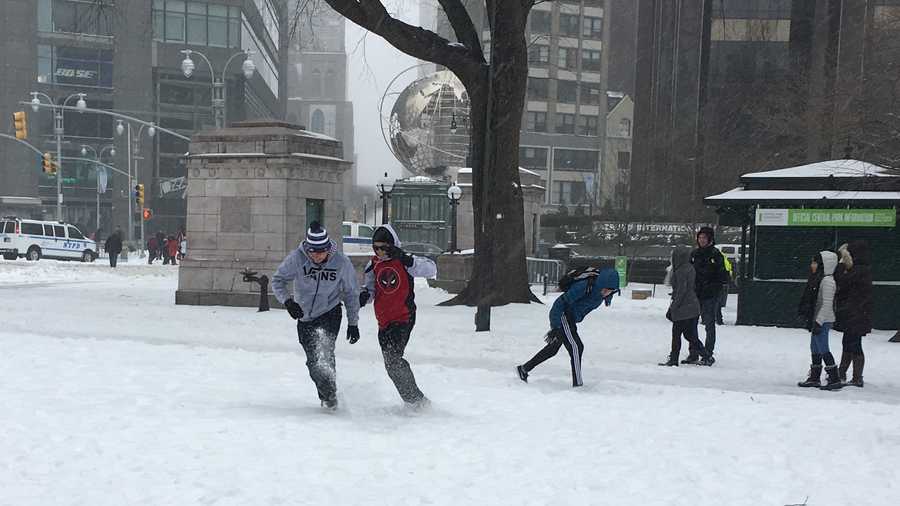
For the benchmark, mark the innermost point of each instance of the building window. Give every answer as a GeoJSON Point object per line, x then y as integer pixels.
{"type": "Point", "coordinates": [566, 91]}
{"type": "Point", "coordinates": [75, 66]}
{"type": "Point", "coordinates": [218, 25]}
{"type": "Point", "coordinates": [537, 88]}
{"type": "Point", "coordinates": [576, 159]}
{"type": "Point", "coordinates": [536, 121]}
{"type": "Point", "coordinates": [198, 23]}
{"type": "Point", "coordinates": [315, 211]}
{"type": "Point", "coordinates": [625, 128]}
{"type": "Point", "coordinates": [590, 93]}
{"type": "Point", "coordinates": [567, 58]}
{"type": "Point", "coordinates": [318, 121]}
{"type": "Point", "coordinates": [315, 83]}
{"type": "Point", "coordinates": [569, 193]}
{"type": "Point", "coordinates": [624, 162]}
{"type": "Point", "coordinates": [538, 55]}
{"type": "Point", "coordinates": [330, 87]}
{"type": "Point", "coordinates": [540, 22]}
{"type": "Point", "coordinates": [565, 123]}
{"type": "Point", "coordinates": [78, 16]}
{"type": "Point", "coordinates": [587, 125]}
{"type": "Point", "coordinates": [533, 158]}
{"type": "Point", "coordinates": [592, 28]}
{"type": "Point", "coordinates": [568, 25]}
{"type": "Point", "coordinates": [590, 60]}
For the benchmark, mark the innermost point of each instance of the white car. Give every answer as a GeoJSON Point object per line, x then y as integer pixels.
{"type": "Point", "coordinates": [357, 238]}
{"type": "Point", "coordinates": [35, 239]}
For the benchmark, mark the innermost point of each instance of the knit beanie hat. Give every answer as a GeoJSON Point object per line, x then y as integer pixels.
{"type": "Point", "coordinates": [317, 238]}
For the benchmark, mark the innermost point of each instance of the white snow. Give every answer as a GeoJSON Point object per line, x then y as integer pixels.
{"type": "Point", "coordinates": [113, 395]}
{"type": "Point", "coordinates": [319, 157]}
{"type": "Point", "coordinates": [742, 194]}
{"type": "Point", "coordinates": [837, 168]}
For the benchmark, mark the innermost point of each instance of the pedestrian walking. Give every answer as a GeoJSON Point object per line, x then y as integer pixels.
{"type": "Point", "coordinates": [684, 310]}
{"type": "Point", "coordinates": [817, 310]}
{"type": "Point", "coordinates": [389, 281]}
{"type": "Point", "coordinates": [113, 247]}
{"type": "Point", "coordinates": [322, 278]}
{"type": "Point", "coordinates": [583, 292]}
{"type": "Point", "coordinates": [854, 304]}
{"type": "Point", "coordinates": [709, 265]}
{"type": "Point", "coordinates": [171, 250]}
{"type": "Point", "coordinates": [152, 250]}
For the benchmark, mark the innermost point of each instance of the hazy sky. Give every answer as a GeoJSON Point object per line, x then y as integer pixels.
{"type": "Point", "coordinates": [373, 64]}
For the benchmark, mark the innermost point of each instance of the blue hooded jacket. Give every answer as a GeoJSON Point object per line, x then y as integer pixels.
{"type": "Point", "coordinates": [577, 303]}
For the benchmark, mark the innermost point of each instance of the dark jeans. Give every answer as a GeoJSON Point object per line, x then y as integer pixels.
{"type": "Point", "coordinates": [566, 335]}
{"type": "Point", "coordinates": [708, 308]}
{"type": "Point", "coordinates": [852, 343]}
{"type": "Point", "coordinates": [317, 338]}
{"type": "Point", "coordinates": [393, 340]}
{"type": "Point", "coordinates": [688, 329]}
{"type": "Point", "coordinates": [113, 258]}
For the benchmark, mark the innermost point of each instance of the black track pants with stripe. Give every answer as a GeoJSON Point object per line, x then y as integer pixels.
{"type": "Point", "coordinates": [566, 335]}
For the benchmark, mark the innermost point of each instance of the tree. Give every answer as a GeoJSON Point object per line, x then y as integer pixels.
{"type": "Point", "coordinates": [496, 90]}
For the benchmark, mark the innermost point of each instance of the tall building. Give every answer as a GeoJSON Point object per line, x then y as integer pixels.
{"type": "Point", "coordinates": [125, 56]}
{"type": "Point", "coordinates": [726, 87]}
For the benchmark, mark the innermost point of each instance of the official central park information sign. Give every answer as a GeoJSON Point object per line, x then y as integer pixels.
{"type": "Point", "coordinates": [826, 217]}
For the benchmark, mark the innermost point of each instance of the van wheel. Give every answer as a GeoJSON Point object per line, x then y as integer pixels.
{"type": "Point", "coordinates": [10, 256]}
{"type": "Point", "coordinates": [87, 256]}
{"type": "Point", "coordinates": [34, 254]}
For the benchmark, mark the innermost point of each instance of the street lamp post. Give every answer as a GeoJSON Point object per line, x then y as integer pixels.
{"type": "Point", "coordinates": [99, 158]}
{"type": "Point", "coordinates": [218, 85]}
{"type": "Point", "coordinates": [134, 149]}
{"type": "Point", "coordinates": [454, 193]}
{"type": "Point", "coordinates": [385, 186]}
{"type": "Point", "coordinates": [58, 131]}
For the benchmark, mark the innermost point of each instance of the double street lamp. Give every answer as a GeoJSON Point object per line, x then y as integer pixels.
{"type": "Point", "coordinates": [385, 186]}
{"type": "Point", "coordinates": [454, 193]}
{"type": "Point", "coordinates": [218, 97]}
{"type": "Point", "coordinates": [58, 131]}
{"type": "Point", "coordinates": [134, 149]}
{"type": "Point", "coordinates": [99, 158]}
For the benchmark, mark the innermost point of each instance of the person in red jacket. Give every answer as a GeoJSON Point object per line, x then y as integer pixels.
{"type": "Point", "coordinates": [389, 277]}
{"type": "Point", "coordinates": [171, 250]}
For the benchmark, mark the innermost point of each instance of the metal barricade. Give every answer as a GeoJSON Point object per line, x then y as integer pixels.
{"type": "Point", "coordinates": [541, 270]}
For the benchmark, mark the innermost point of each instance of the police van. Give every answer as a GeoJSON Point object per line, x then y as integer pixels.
{"type": "Point", "coordinates": [357, 238]}
{"type": "Point", "coordinates": [35, 239]}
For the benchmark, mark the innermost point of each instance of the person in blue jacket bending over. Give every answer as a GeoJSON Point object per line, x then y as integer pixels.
{"type": "Point", "coordinates": [584, 292]}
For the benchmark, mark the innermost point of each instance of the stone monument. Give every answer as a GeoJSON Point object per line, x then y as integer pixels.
{"type": "Point", "coordinates": [252, 190]}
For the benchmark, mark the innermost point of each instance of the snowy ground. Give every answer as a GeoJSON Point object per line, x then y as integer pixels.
{"type": "Point", "coordinates": [112, 395]}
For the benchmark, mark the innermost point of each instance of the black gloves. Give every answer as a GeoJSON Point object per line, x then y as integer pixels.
{"type": "Point", "coordinates": [405, 258]}
{"type": "Point", "coordinates": [293, 309]}
{"type": "Point", "coordinates": [363, 298]}
{"type": "Point", "coordinates": [352, 334]}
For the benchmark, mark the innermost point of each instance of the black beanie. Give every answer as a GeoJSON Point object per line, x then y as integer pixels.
{"type": "Point", "coordinates": [317, 238]}
{"type": "Point", "coordinates": [382, 234]}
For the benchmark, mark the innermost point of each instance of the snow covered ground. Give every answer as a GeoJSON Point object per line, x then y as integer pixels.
{"type": "Point", "coordinates": [112, 395]}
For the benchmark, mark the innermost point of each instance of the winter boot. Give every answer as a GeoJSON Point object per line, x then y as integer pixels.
{"type": "Point", "coordinates": [672, 361]}
{"type": "Point", "coordinates": [419, 405]}
{"type": "Point", "coordinates": [815, 377]}
{"type": "Point", "coordinates": [691, 359]}
{"type": "Point", "coordinates": [846, 358]}
{"type": "Point", "coordinates": [833, 382]}
{"type": "Point", "coordinates": [329, 404]}
{"type": "Point", "coordinates": [707, 361]}
{"type": "Point", "coordinates": [859, 361]}
{"type": "Point", "coordinates": [523, 374]}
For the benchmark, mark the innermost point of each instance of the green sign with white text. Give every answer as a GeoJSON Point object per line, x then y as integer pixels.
{"type": "Point", "coordinates": [886, 218]}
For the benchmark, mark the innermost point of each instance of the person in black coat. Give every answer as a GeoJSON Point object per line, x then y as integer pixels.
{"type": "Point", "coordinates": [113, 246]}
{"type": "Point", "coordinates": [711, 276]}
{"type": "Point", "coordinates": [853, 304]}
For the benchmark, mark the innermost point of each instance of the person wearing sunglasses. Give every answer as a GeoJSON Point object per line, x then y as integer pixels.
{"type": "Point", "coordinates": [587, 291]}
{"type": "Point", "coordinates": [389, 278]}
{"type": "Point", "coordinates": [322, 278]}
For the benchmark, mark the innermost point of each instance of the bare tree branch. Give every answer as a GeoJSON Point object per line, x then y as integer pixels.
{"type": "Point", "coordinates": [462, 25]}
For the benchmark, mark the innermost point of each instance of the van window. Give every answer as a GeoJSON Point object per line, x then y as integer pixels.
{"type": "Point", "coordinates": [74, 233]}
{"type": "Point", "coordinates": [10, 227]}
{"type": "Point", "coordinates": [366, 231]}
{"type": "Point", "coordinates": [59, 231]}
{"type": "Point", "coordinates": [32, 229]}
{"type": "Point", "coordinates": [345, 230]}
{"type": "Point", "coordinates": [48, 230]}
{"type": "Point", "coordinates": [3, 227]}
{"type": "Point", "coordinates": [728, 249]}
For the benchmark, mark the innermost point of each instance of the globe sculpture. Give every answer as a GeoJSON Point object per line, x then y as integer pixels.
{"type": "Point", "coordinates": [428, 125]}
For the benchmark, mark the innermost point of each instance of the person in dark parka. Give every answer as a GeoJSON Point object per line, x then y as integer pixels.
{"type": "Point", "coordinates": [853, 305]}
{"type": "Point", "coordinates": [113, 246]}
{"type": "Point", "coordinates": [684, 310]}
{"type": "Point", "coordinates": [709, 265]}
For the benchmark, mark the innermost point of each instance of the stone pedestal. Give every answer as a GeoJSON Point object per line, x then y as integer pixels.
{"type": "Point", "coordinates": [252, 190]}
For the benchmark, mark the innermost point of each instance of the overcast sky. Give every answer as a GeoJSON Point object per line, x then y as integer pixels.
{"type": "Point", "coordinates": [373, 64]}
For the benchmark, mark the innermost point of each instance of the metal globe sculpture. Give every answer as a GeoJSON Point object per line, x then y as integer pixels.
{"type": "Point", "coordinates": [428, 126]}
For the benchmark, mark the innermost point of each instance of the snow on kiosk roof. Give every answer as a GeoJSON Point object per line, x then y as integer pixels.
{"type": "Point", "coordinates": [836, 168]}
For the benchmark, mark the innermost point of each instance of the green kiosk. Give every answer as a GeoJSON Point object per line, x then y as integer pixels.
{"type": "Point", "coordinates": [788, 215]}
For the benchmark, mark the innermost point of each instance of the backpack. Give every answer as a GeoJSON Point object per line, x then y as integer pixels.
{"type": "Point", "coordinates": [589, 273]}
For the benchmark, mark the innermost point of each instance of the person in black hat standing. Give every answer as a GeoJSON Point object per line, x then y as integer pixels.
{"type": "Point", "coordinates": [322, 278]}
{"type": "Point", "coordinates": [709, 265]}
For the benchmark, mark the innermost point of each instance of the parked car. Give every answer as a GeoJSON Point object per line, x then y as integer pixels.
{"type": "Point", "coordinates": [35, 239]}
{"type": "Point", "coordinates": [357, 237]}
{"type": "Point", "coordinates": [423, 249]}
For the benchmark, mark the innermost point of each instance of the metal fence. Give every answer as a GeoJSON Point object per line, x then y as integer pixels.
{"type": "Point", "coordinates": [539, 268]}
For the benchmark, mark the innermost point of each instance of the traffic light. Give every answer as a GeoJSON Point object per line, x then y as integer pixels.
{"type": "Point", "coordinates": [148, 213]}
{"type": "Point", "coordinates": [47, 164]}
{"type": "Point", "coordinates": [21, 124]}
{"type": "Point", "coordinates": [139, 194]}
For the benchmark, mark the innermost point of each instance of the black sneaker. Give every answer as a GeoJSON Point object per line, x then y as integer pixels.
{"type": "Point", "coordinates": [691, 359]}
{"type": "Point", "coordinates": [330, 404]}
{"type": "Point", "coordinates": [707, 361]}
{"type": "Point", "coordinates": [670, 362]}
{"type": "Point", "coordinates": [523, 374]}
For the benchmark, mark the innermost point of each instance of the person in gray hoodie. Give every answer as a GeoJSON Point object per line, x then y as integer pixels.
{"type": "Point", "coordinates": [818, 305]}
{"type": "Point", "coordinates": [322, 279]}
{"type": "Point", "coordinates": [684, 310]}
